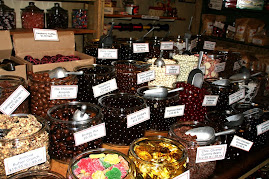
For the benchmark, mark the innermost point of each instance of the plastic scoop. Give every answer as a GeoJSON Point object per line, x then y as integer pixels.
{"type": "Point", "coordinates": [81, 115]}
{"type": "Point", "coordinates": [160, 92]}
{"type": "Point", "coordinates": [159, 61]}
{"type": "Point", "coordinates": [61, 72]}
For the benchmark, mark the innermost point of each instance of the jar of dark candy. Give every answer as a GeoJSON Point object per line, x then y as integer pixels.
{"type": "Point", "coordinates": [116, 108]}
{"type": "Point", "coordinates": [8, 84]}
{"type": "Point", "coordinates": [32, 17]}
{"type": "Point", "coordinates": [41, 85]}
{"type": "Point", "coordinates": [92, 48]}
{"type": "Point", "coordinates": [158, 121]}
{"type": "Point", "coordinates": [92, 75]}
{"type": "Point", "coordinates": [7, 17]}
{"type": "Point", "coordinates": [80, 18]}
{"type": "Point", "coordinates": [57, 17]}
{"type": "Point", "coordinates": [63, 128]}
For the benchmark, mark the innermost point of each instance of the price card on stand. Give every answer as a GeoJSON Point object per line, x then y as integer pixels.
{"type": "Point", "coordinates": [210, 100]}
{"type": "Point", "coordinates": [219, 67]}
{"type": "Point", "coordinates": [236, 96]}
{"type": "Point", "coordinates": [104, 88]}
{"type": "Point", "coordinates": [138, 117]}
{"type": "Point", "coordinates": [145, 76]}
{"type": "Point", "coordinates": [107, 53]}
{"type": "Point", "coordinates": [167, 46]}
{"type": "Point", "coordinates": [174, 111]}
{"type": "Point", "coordinates": [241, 143]}
{"type": "Point", "coordinates": [185, 175]}
{"type": "Point", "coordinates": [211, 153]}
{"type": "Point", "coordinates": [46, 34]}
{"type": "Point", "coordinates": [63, 92]}
{"type": "Point", "coordinates": [140, 47]}
{"type": "Point", "coordinates": [172, 69]}
{"type": "Point", "coordinates": [208, 45]}
{"type": "Point", "coordinates": [262, 128]}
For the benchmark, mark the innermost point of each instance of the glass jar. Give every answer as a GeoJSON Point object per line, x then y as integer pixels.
{"type": "Point", "coordinates": [8, 84]}
{"type": "Point", "coordinates": [92, 48]}
{"type": "Point", "coordinates": [63, 127]}
{"type": "Point", "coordinates": [127, 72]}
{"type": "Point", "coordinates": [28, 133]}
{"type": "Point", "coordinates": [154, 47]}
{"type": "Point", "coordinates": [7, 17]}
{"type": "Point", "coordinates": [105, 162]}
{"type": "Point", "coordinates": [209, 62]}
{"type": "Point", "coordinates": [115, 108]}
{"type": "Point", "coordinates": [40, 85]}
{"type": "Point", "coordinates": [158, 157]}
{"type": "Point", "coordinates": [92, 75]}
{"type": "Point", "coordinates": [38, 174]}
{"type": "Point", "coordinates": [57, 17]}
{"type": "Point", "coordinates": [80, 18]}
{"type": "Point", "coordinates": [177, 132]}
{"type": "Point", "coordinates": [157, 121]}
{"type": "Point", "coordinates": [32, 17]}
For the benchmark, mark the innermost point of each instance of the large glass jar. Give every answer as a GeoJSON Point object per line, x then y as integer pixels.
{"type": "Point", "coordinates": [116, 107]}
{"type": "Point", "coordinates": [32, 17]}
{"type": "Point", "coordinates": [158, 121]}
{"type": "Point", "coordinates": [92, 75]}
{"type": "Point", "coordinates": [209, 62]}
{"type": "Point", "coordinates": [101, 163]}
{"type": "Point", "coordinates": [28, 134]}
{"type": "Point", "coordinates": [38, 174]}
{"type": "Point", "coordinates": [80, 18]}
{"type": "Point", "coordinates": [158, 157]}
{"type": "Point", "coordinates": [57, 17]}
{"type": "Point", "coordinates": [63, 129]}
{"type": "Point", "coordinates": [177, 132]}
{"type": "Point", "coordinates": [8, 84]}
{"type": "Point", "coordinates": [7, 17]}
{"type": "Point", "coordinates": [92, 48]}
{"type": "Point", "coordinates": [40, 85]}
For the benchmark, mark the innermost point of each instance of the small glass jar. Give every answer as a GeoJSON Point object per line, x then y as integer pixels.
{"type": "Point", "coordinates": [80, 18]}
{"type": "Point", "coordinates": [8, 84]}
{"type": "Point", "coordinates": [157, 121]}
{"type": "Point", "coordinates": [7, 17]}
{"type": "Point", "coordinates": [92, 75]}
{"type": "Point", "coordinates": [57, 17]}
{"type": "Point", "coordinates": [38, 174]}
{"type": "Point", "coordinates": [209, 62]}
{"type": "Point", "coordinates": [154, 47]}
{"type": "Point", "coordinates": [115, 108]}
{"type": "Point", "coordinates": [40, 89]}
{"type": "Point", "coordinates": [28, 133]}
{"type": "Point", "coordinates": [63, 128]}
{"type": "Point", "coordinates": [101, 158]}
{"type": "Point", "coordinates": [158, 157]}
{"type": "Point", "coordinates": [32, 17]}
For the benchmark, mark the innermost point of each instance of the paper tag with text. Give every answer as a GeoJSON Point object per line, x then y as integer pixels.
{"type": "Point", "coordinates": [220, 67]}
{"type": "Point", "coordinates": [145, 76]}
{"type": "Point", "coordinates": [172, 69]}
{"type": "Point", "coordinates": [150, 17]}
{"type": "Point", "coordinates": [46, 34]}
{"type": "Point", "coordinates": [215, 4]}
{"type": "Point", "coordinates": [25, 160]}
{"type": "Point", "coordinates": [262, 128]}
{"type": "Point", "coordinates": [14, 100]}
{"type": "Point", "coordinates": [90, 134]}
{"type": "Point", "coordinates": [236, 96]}
{"type": "Point", "coordinates": [140, 47]}
{"type": "Point", "coordinates": [167, 46]}
{"type": "Point", "coordinates": [208, 45]}
{"type": "Point", "coordinates": [211, 153]}
{"type": "Point", "coordinates": [231, 28]}
{"type": "Point", "coordinates": [104, 88]}
{"type": "Point", "coordinates": [219, 24]}
{"type": "Point", "coordinates": [138, 117]}
{"type": "Point", "coordinates": [236, 66]}
{"type": "Point", "coordinates": [185, 175]}
{"type": "Point", "coordinates": [241, 143]}
{"type": "Point", "coordinates": [63, 92]}
{"type": "Point", "coordinates": [107, 53]}
{"type": "Point", "coordinates": [210, 100]}
{"type": "Point", "coordinates": [174, 111]}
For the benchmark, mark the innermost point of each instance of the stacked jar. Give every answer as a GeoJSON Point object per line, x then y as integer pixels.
{"type": "Point", "coordinates": [7, 17]}
{"type": "Point", "coordinates": [80, 18]}
{"type": "Point", "coordinates": [57, 17]}
{"type": "Point", "coordinates": [32, 17]}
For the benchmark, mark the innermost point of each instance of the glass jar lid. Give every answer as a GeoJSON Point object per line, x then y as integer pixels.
{"type": "Point", "coordinates": [4, 8]}
{"type": "Point", "coordinates": [32, 8]}
{"type": "Point", "coordinates": [57, 9]}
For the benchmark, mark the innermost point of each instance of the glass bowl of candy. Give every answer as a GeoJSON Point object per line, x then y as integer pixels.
{"type": "Point", "coordinates": [38, 174]}
{"type": "Point", "coordinates": [158, 157]}
{"type": "Point", "coordinates": [101, 163]}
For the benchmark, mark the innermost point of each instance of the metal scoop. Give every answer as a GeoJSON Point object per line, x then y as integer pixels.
{"type": "Point", "coordinates": [234, 120]}
{"type": "Point", "coordinates": [61, 72]}
{"type": "Point", "coordinates": [160, 92]}
{"type": "Point", "coordinates": [159, 61]}
{"type": "Point", "coordinates": [81, 115]}
{"type": "Point", "coordinates": [8, 66]}
{"type": "Point", "coordinates": [222, 82]}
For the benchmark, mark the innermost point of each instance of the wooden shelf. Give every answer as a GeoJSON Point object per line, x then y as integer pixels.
{"type": "Point", "coordinates": [144, 17]}
{"type": "Point", "coordinates": [82, 1]}
{"type": "Point", "coordinates": [76, 31]}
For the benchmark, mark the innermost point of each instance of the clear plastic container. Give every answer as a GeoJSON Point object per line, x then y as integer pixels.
{"type": "Point", "coordinates": [80, 18]}
{"type": "Point", "coordinates": [7, 17]}
{"type": "Point", "coordinates": [57, 17]}
{"type": "Point", "coordinates": [38, 174]}
{"type": "Point", "coordinates": [32, 17]}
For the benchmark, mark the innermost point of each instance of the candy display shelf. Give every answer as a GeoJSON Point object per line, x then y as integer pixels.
{"type": "Point", "coordinates": [76, 31]}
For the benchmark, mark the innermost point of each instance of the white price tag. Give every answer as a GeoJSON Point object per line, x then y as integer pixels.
{"type": "Point", "coordinates": [172, 69]}
{"type": "Point", "coordinates": [14, 100]}
{"type": "Point", "coordinates": [174, 111]}
{"type": "Point", "coordinates": [211, 153]}
{"type": "Point", "coordinates": [202, 68]}
{"type": "Point", "coordinates": [167, 46]}
{"type": "Point", "coordinates": [138, 117]}
{"type": "Point", "coordinates": [107, 53]}
{"type": "Point", "coordinates": [263, 127]}
{"type": "Point", "coordinates": [185, 175]}
{"type": "Point", "coordinates": [219, 25]}
{"type": "Point", "coordinates": [45, 34]}
{"type": "Point", "coordinates": [236, 96]}
{"type": "Point", "coordinates": [104, 88]}
{"type": "Point", "coordinates": [63, 92]}
{"type": "Point", "coordinates": [208, 45]}
{"type": "Point", "coordinates": [140, 47]}
{"type": "Point", "coordinates": [145, 76]}
{"type": "Point", "coordinates": [90, 134]}
{"type": "Point", "coordinates": [241, 143]}
{"type": "Point", "coordinates": [25, 160]}
{"type": "Point", "coordinates": [220, 67]}
{"type": "Point", "coordinates": [231, 28]}
{"type": "Point", "coordinates": [150, 17]}
{"type": "Point", "coordinates": [215, 4]}
{"type": "Point", "coordinates": [210, 100]}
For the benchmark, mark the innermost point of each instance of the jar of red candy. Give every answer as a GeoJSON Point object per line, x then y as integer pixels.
{"type": "Point", "coordinates": [7, 17]}
{"type": "Point", "coordinates": [8, 85]}
{"type": "Point", "coordinates": [32, 17]}
{"type": "Point", "coordinates": [192, 97]}
{"type": "Point", "coordinates": [80, 18]}
{"type": "Point", "coordinates": [57, 17]}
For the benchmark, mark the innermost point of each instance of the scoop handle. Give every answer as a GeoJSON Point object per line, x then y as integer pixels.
{"type": "Point", "coordinates": [177, 89]}
{"type": "Point", "coordinates": [229, 131]}
{"type": "Point", "coordinates": [74, 73]}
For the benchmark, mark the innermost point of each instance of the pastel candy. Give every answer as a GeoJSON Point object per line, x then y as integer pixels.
{"type": "Point", "coordinates": [114, 173]}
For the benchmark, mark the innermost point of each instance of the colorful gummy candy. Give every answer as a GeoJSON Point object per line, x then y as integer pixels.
{"type": "Point", "coordinates": [101, 166]}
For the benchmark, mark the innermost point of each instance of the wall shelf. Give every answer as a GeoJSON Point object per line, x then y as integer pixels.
{"type": "Point", "coordinates": [76, 31]}
{"type": "Point", "coordinates": [144, 17]}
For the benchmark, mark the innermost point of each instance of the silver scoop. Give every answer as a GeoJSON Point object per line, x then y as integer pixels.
{"type": "Point", "coordinates": [159, 61]}
{"type": "Point", "coordinates": [61, 72]}
{"type": "Point", "coordinates": [243, 76]}
{"type": "Point", "coordinates": [160, 92]}
{"type": "Point", "coordinates": [207, 134]}
{"type": "Point", "coordinates": [221, 82]}
{"type": "Point", "coordinates": [81, 115]}
{"type": "Point", "coordinates": [234, 120]}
